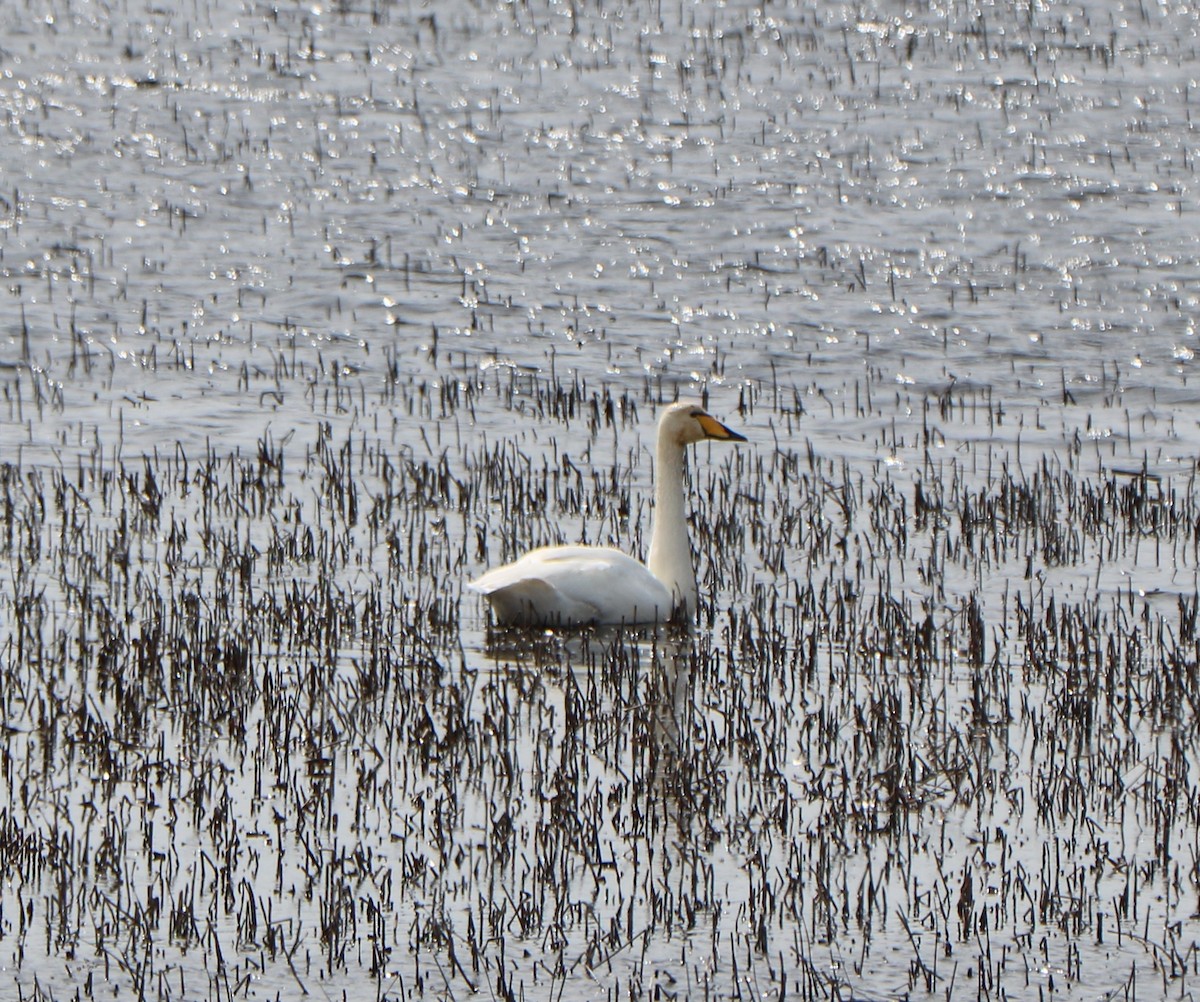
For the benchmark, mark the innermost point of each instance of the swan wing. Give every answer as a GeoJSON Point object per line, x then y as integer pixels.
{"type": "Point", "coordinates": [574, 585]}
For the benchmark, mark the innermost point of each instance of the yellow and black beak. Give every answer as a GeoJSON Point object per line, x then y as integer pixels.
{"type": "Point", "coordinates": [714, 429]}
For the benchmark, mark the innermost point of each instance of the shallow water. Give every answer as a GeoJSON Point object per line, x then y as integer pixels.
{"type": "Point", "coordinates": [312, 312]}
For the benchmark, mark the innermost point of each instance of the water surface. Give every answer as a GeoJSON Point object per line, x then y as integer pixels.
{"type": "Point", "coordinates": [311, 312]}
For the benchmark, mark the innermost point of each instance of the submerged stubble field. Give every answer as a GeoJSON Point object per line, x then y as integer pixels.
{"type": "Point", "coordinates": [934, 734]}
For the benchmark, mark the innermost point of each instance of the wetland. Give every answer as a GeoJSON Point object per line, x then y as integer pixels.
{"type": "Point", "coordinates": [310, 313]}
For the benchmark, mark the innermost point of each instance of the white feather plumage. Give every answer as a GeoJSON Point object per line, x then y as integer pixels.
{"type": "Point", "coordinates": [577, 585]}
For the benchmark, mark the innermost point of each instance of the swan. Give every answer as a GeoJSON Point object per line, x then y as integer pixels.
{"type": "Point", "coordinates": [581, 585]}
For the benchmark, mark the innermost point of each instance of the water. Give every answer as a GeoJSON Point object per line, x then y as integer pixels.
{"type": "Point", "coordinates": [358, 282]}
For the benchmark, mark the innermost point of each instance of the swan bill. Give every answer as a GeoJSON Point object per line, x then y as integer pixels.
{"type": "Point", "coordinates": [714, 429]}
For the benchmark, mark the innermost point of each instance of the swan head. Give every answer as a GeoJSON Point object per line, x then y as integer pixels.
{"type": "Point", "coordinates": [687, 422]}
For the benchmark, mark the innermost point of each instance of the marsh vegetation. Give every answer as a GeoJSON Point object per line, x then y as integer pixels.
{"type": "Point", "coordinates": [311, 314]}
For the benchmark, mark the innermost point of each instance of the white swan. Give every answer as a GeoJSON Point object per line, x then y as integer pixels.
{"type": "Point", "coordinates": [578, 585]}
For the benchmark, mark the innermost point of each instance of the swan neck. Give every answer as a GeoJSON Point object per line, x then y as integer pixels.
{"type": "Point", "coordinates": [670, 550]}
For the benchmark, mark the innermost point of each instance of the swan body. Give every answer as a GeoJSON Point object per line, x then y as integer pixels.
{"type": "Point", "coordinates": [572, 585]}
{"type": "Point", "coordinates": [579, 585]}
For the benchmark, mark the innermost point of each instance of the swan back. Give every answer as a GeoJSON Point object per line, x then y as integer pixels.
{"type": "Point", "coordinates": [575, 585]}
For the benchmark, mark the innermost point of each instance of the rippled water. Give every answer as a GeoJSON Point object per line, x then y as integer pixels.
{"type": "Point", "coordinates": [999, 197]}
{"type": "Point", "coordinates": [898, 242]}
